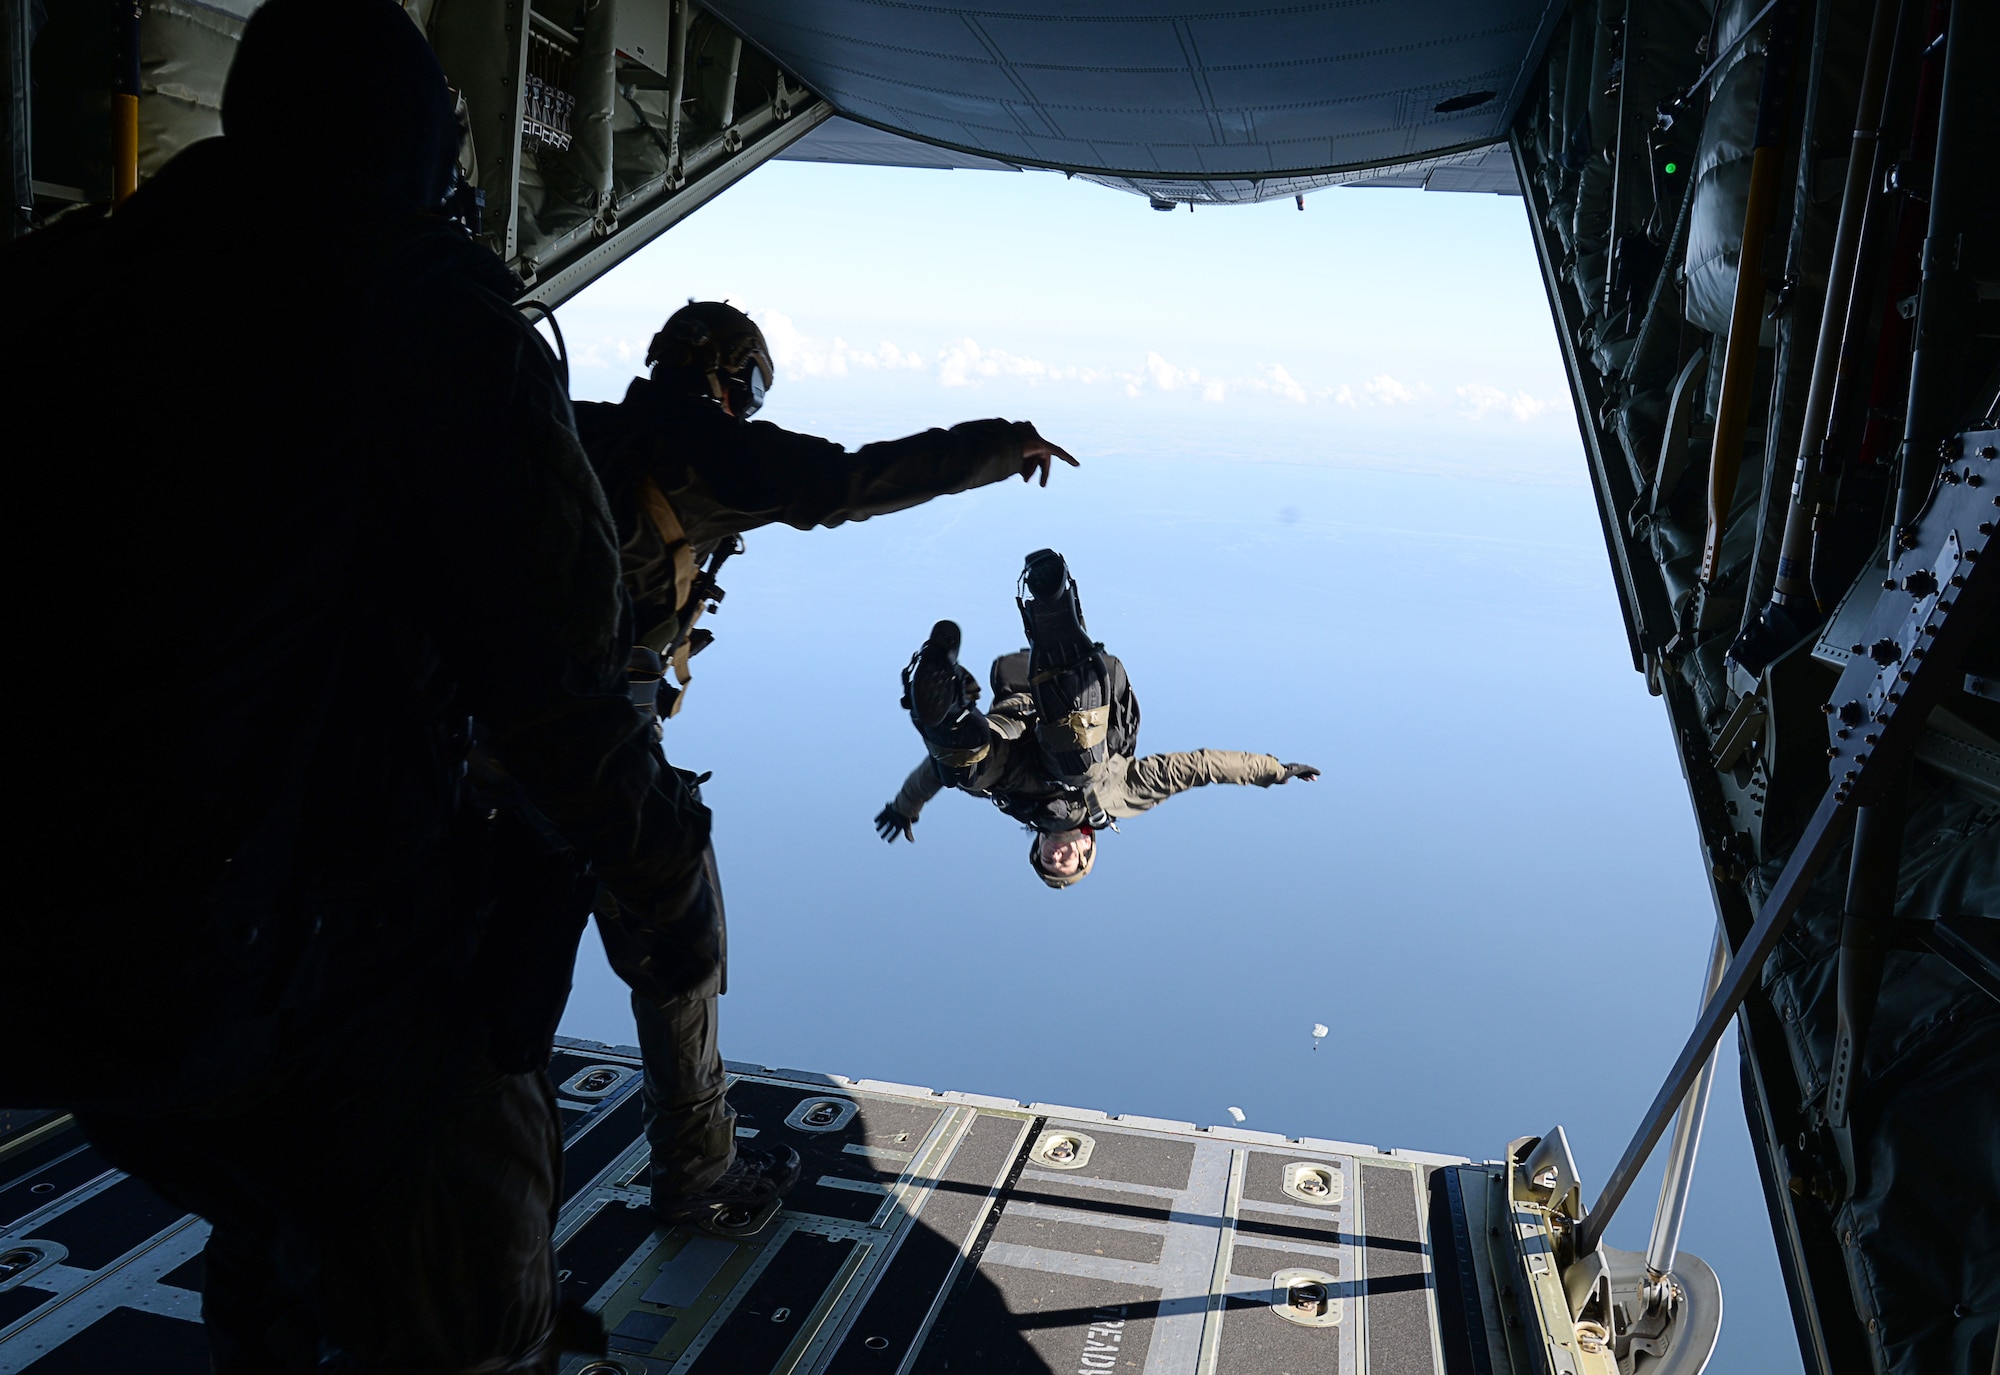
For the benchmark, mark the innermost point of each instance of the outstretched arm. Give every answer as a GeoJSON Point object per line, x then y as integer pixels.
{"type": "Point", "coordinates": [1147, 782]}
{"type": "Point", "coordinates": [899, 818]}
{"type": "Point", "coordinates": [757, 473]}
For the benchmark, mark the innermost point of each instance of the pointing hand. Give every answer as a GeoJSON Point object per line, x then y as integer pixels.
{"type": "Point", "coordinates": [890, 823]}
{"type": "Point", "coordinates": [1301, 771]}
{"type": "Point", "coordinates": [1037, 454]}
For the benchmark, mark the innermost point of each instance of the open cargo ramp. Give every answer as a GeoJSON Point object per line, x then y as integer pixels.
{"type": "Point", "coordinates": [930, 1232]}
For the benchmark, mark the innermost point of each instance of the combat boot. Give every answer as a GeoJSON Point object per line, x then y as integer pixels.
{"type": "Point", "coordinates": [939, 694]}
{"type": "Point", "coordinates": [1052, 615]}
{"type": "Point", "coordinates": [753, 1179]}
{"type": "Point", "coordinates": [1045, 573]}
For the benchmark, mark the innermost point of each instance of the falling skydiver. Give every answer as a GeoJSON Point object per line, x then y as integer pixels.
{"type": "Point", "coordinates": [1059, 751]}
{"type": "Point", "coordinates": [686, 473]}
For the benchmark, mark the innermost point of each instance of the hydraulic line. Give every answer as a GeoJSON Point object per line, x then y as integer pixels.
{"type": "Point", "coordinates": [735, 68]}
{"type": "Point", "coordinates": [1946, 300]}
{"type": "Point", "coordinates": [1746, 318]}
{"type": "Point", "coordinates": [548, 313]}
{"type": "Point", "coordinates": [1869, 909]}
{"type": "Point", "coordinates": [21, 116]}
{"type": "Point", "coordinates": [1576, 86]}
{"type": "Point", "coordinates": [125, 18]}
{"type": "Point", "coordinates": [676, 90]}
{"type": "Point", "coordinates": [1795, 552]}
{"type": "Point", "coordinates": [1865, 425]}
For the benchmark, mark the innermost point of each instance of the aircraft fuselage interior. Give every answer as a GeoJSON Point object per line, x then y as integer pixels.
{"type": "Point", "coordinates": [1770, 239]}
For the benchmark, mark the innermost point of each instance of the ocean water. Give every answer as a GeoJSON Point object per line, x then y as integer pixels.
{"type": "Point", "coordinates": [1494, 898]}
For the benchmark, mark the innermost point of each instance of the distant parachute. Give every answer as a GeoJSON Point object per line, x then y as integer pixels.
{"type": "Point", "coordinates": [1236, 1113]}
{"type": "Point", "coordinates": [1319, 1032]}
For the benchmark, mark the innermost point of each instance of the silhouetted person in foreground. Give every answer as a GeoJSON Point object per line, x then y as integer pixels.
{"type": "Point", "coordinates": [686, 472]}
{"type": "Point", "coordinates": [1059, 751]}
{"type": "Point", "coordinates": [295, 496]}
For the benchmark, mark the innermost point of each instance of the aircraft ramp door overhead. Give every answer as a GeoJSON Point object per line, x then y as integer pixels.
{"type": "Point", "coordinates": [593, 128]}
{"type": "Point", "coordinates": [1183, 105]}
{"type": "Point", "coordinates": [929, 1232]}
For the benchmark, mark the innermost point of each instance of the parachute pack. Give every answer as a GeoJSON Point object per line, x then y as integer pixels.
{"type": "Point", "coordinates": [1085, 710]}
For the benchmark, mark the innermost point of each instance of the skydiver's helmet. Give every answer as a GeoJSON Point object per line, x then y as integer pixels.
{"type": "Point", "coordinates": [1063, 880]}
{"type": "Point", "coordinates": [713, 344]}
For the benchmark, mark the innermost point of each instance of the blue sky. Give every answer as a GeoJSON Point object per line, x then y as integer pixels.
{"type": "Point", "coordinates": [892, 294]}
{"type": "Point", "coordinates": [1333, 507]}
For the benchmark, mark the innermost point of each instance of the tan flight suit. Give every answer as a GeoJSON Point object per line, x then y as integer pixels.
{"type": "Point", "coordinates": [1120, 786]}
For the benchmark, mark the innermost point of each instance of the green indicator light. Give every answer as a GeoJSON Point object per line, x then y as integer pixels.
{"type": "Point", "coordinates": [1672, 168]}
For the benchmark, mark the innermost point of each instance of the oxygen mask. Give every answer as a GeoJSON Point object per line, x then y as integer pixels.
{"type": "Point", "coordinates": [744, 390]}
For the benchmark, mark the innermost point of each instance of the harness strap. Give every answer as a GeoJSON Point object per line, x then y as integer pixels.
{"type": "Point", "coordinates": [674, 644]}
{"type": "Point", "coordinates": [661, 513]}
{"type": "Point", "coordinates": [1049, 674]}
{"type": "Point", "coordinates": [964, 758]}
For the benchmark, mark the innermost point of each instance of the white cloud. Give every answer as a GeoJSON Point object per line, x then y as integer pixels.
{"type": "Point", "coordinates": [1385, 390]}
{"type": "Point", "coordinates": [1157, 374]}
{"type": "Point", "coordinates": [1160, 375]}
{"type": "Point", "coordinates": [606, 352]}
{"type": "Point", "coordinates": [800, 354]}
{"type": "Point", "coordinates": [1481, 401]}
{"type": "Point", "coordinates": [1379, 390]}
{"type": "Point", "coordinates": [967, 363]}
{"type": "Point", "coordinates": [1280, 382]}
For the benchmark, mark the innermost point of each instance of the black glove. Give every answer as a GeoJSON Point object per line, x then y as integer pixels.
{"type": "Point", "coordinates": [1305, 771]}
{"type": "Point", "coordinates": [890, 823]}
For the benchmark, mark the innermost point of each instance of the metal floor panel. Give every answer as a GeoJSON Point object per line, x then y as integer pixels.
{"type": "Point", "coordinates": [930, 1232]}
